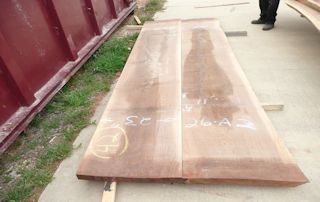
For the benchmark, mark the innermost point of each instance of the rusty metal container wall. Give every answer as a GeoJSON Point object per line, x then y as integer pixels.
{"type": "Point", "coordinates": [42, 44]}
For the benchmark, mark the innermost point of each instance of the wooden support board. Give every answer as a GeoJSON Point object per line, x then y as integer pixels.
{"type": "Point", "coordinates": [109, 192]}
{"type": "Point", "coordinates": [136, 18]}
{"type": "Point", "coordinates": [306, 10]}
{"type": "Point", "coordinates": [183, 111]}
{"type": "Point", "coordinates": [272, 107]}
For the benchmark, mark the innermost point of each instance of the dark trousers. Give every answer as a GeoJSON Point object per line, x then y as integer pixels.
{"type": "Point", "coordinates": [269, 10]}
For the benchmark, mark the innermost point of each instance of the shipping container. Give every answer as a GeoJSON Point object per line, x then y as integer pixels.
{"type": "Point", "coordinates": [42, 44]}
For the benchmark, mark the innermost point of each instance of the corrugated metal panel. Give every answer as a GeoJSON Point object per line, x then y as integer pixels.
{"type": "Point", "coordinates": [42, 44]}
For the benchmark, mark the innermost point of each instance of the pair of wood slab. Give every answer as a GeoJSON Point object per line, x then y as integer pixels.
{"type": "Point", "coordinates": [183, 111]}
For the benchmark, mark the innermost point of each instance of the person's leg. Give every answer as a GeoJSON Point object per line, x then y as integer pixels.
{"type": "Point", "coordinates": [264, 5]}
{"type": "Point", "coordinates": [271, 15]}
{"type": "Point", "coordinates": [272, 11]}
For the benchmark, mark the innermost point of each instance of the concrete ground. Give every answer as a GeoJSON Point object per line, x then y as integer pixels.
{"type": "Point", "coordinates": [282, 65]}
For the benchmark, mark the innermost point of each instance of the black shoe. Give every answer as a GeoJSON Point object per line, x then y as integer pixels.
{"type": "Point", "coordinates": [268, 26]}
{"type": "Point", "coordinates": [258, 22]}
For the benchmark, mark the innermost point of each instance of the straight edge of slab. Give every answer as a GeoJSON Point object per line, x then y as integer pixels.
{"type": "Point", "coordinates": [129, 179]}
{"type": "Point", "coordinates": [250, 182]}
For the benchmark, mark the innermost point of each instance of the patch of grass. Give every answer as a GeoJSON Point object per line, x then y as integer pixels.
{"type": "Point", "coordinates": [33, 144]}
{"type": "Point", "coordinates": [69, 134]}
{"type": "Point", "coordinates": [51, 124]}
{"type": "Point", "coordinates": [113, 60]}
{"type": "Point", "coordinates": [37, 177]}
{"type": "Point", "coordinates": [7, 178]}
{"type": "Point", "coordinates": [21, 191]}
{"type": "Point", "coordinates": [55, 153]}
{"type": "Point", "coordinates": [36, 121]}
{"type": "Point", "coordinates": [77, 98]}
{"type": "Point", "coordinates": [144, 19]}
{"type": "Point", "coordinates": [153, 6]}
{"type": "Point", "coordinates": [29, 179]}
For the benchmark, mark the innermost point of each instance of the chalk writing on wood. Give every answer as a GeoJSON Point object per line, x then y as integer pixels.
{"type": "Point", "coordinates": [135, 121]}
{"type": "Point", "coordinates": [113, 142]}
{"type": "Point", "coordinates": [225, 122]}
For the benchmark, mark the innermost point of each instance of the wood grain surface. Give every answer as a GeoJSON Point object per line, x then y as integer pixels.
{"type": "Point", "coordinates": [227, 136]}
{"type": "Point", "coordinates": [183, 111]}
{"type": "Point", "coordinates": [139, 135]}
{"type": "Point", "coordinates": [315, 4]}
{"type": "Point", "coordinates": [310, 10]}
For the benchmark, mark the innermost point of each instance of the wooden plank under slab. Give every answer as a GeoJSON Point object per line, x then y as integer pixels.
{"type": "Point", "coordinates": [139, 135]}
{"type": "Point", "coordinates": [227, 136]}
{"type": "Point", "coordinates": [272, 107]}
{"type": "Point", "coordinates": [109, 192]}
{"type": "Point", "coordinates": [183, 111]}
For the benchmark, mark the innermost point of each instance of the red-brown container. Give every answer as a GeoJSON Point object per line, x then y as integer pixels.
{"type": "Point", "coordinates": [42, 44]}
